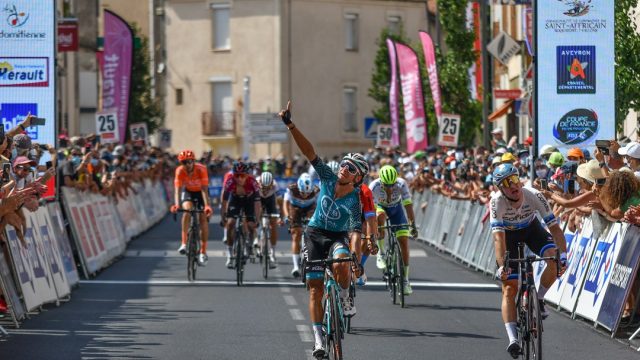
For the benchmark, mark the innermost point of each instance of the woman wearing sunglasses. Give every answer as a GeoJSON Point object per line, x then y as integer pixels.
{"type": "Point", "coordinates": [338, 211]}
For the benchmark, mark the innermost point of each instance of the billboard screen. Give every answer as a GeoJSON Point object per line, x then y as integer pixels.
{"type": "Point", "coordinates": [27, 65]}
{"type": "Point", "coordinates": [575, 51]}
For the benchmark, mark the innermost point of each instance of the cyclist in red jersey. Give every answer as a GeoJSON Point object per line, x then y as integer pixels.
{"type": "Point", "coordinates": [191, 192]}
{"type": "Point", "coordinates": [241, 191]}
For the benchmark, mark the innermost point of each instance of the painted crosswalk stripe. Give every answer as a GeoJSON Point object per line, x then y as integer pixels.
{"type": "Point", "coordinates": [305, 333]}
{"type": "Point", "coordinates": [290, 300]}
{"type": "Point", "coordinates": [296, 314]}
{"type": "Point", "coordinates": [415, 253]}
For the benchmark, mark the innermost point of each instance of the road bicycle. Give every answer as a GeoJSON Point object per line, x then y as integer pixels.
{"type": "Point", "coordinates": [394, 271]}
{"type": "Point", "coordinates": [333, 321]}
{"type": "Point", "coordinates": [265, 243]}
{"type": "Point", "coordinates": [240, 247]}
{"type": "Point", "coordinates": [193, 242]}
{"type": "Point", "coordinates": [529, 320]}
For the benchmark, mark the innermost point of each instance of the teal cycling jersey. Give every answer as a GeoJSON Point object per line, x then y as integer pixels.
{"type": "Point", "coordinates": [331, 214]}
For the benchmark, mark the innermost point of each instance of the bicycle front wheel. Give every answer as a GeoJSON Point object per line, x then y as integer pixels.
{"type": "Point", "coordinates": [534, 320]}
{"type": "Point", "coordinates": [399, 274]}
{"type": "Point", "coordinates": [192, 250]}
{"type": "Point", "coordinates": [335, 339]}
{"type": "Point", "coordinates": [239, 258]}
{"type": "Point", "coordinates": [392, 274]}
{"type": "Point", "coordinates": [265, 253]}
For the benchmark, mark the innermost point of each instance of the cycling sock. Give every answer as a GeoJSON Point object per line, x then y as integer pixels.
{"type": "Point", "coordinates": [512, 331]}
{"type": "Point", "coordinates": [344, 293]}
{"type": "Point", "coordinates": [296, 260]}
{"type": "Point", "coordinates": [203, 249]}
{"type": "Point", "coordinates": [229, 249]}
{"type": "Point", "coordinates": [380, 245]}
{"type": "Point", "coordinates": [184, 238]}
{"type": "Point", "coordinates": [224, 236]}
{"type": "Point", "coordinates": [363, 260]}
{"type": "Point", "coordinates": [406, 273]}
{"type": "Point", "coordinates": [317, 333]}
{"type": "Point", "coordinates": [542, 291]}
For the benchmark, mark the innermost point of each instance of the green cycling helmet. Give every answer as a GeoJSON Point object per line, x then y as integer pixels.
{"type": "Point", "coordinates": [388, 175]}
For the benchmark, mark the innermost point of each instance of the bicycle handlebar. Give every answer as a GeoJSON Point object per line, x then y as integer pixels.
{"type": "Point", "coordinates": [271, 216]}
{"type": "Point", "coordinates": [194, 211]}
{"type": "Point", "coordinates": [395, 226]}
{"type": "Point", "coordinates": [533, 259]}
{"type": "Point", "coordinates": [329, 261]}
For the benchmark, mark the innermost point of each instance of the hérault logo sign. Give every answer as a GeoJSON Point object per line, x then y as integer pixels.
{"type": "Point", "coordinates": [24, 71]}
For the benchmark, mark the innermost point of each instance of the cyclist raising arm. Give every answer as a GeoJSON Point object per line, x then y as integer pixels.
{"type": "Point", "coordinates": [338, 211]}
{"type": "Point", "coordinates": [191, 192]}
{"type": "Point", "coordinates": [513, 219]}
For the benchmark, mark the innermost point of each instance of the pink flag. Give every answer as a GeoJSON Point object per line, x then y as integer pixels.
{"type": "Point", "coordinates": [116, 68]}
{"type": "Point", "coordinates": [393, 94]}
{"type": "Point", "coordinates": [412, 98]}
{"type": "Point", "coordinates": [432, 69]}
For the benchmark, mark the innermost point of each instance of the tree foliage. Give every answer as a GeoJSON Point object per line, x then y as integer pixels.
{"type": "Point", "coordinates": [142, 107]}
{"type": "Point", "coordinates": [627, 60]}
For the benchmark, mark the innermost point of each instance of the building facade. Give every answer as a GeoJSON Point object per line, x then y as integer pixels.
{"type": "Point", "coordinates": [318, 53]}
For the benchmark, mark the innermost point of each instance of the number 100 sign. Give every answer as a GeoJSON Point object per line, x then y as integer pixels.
{"type": "Point", "coordinates": [107, 126]}
{"type": "Point", "coordinates": [449, 129]}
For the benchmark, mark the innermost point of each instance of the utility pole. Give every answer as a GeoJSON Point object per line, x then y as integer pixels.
{"type": "Point", "coordinates": [485, 33]}
{"type": "Point", "coordinates": [246, 133]}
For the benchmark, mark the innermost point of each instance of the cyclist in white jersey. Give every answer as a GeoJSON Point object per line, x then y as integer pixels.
{"type": "Point", "coordinates": [392, 198]}
{"type": "Point", "coordinates": [513, 212]}
{"type": "Point", "coordinates": [268, 193]}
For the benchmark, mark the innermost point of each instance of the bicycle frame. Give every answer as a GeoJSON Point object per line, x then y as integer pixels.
{"type": "Point", "coordinates": [193, 242]}
{"type": "Point", "coordinates": [265, 241]}
{"type": "Point", "coordinates": [395, 264]}
{"type": "Point", "coordinates": [240, 241]}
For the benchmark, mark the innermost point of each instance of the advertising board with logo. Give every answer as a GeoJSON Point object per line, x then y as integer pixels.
{"type": "Point", "coordinates": [27, 58]}
{"type": "Point", "coordinates": [576, 100]}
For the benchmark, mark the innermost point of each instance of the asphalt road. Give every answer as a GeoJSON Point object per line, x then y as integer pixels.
{"type": "Point", "coordinates": [142, 307]}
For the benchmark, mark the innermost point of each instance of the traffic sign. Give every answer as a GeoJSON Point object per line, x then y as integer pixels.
{"type": "Point", "coordinates": [448, 130]}
{"type": "Point", "coordinates": [139, 132]}
{"type": "Point", "coordinates": [503, 47]}
{"type": "Point", "coordinates": [107, 126]}
{"type": "Point", "coordinates": [371, 128]}
{"type": "Point", "coordinates": [384, 138]}
{"type": "Point", "coordinates": [268, 138]}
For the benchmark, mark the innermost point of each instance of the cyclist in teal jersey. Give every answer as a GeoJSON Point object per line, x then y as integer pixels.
{"type": "Point", "coordinates": [337, 212]}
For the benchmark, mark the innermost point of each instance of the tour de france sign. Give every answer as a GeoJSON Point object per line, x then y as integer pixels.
{"type": "Point", "coordinates": [575, 52]}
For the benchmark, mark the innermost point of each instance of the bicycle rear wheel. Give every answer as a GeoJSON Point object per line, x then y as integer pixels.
{"type": "Point", "coordinates": [535, 325]}
{"type": "Point", "coordinates": [399, 274]}
{"type": "Point", "coordinates": [192, 254]}
{"type": "Point", "coordinates": [335, 338]}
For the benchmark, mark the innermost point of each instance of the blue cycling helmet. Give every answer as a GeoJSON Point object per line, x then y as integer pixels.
{"type": "Point", "coordinates": [502, 172]}
{"type": "Point", "coordinates": [304, 183]}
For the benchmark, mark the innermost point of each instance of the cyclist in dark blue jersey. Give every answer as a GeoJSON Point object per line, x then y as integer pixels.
{"type": "Point", "coordinates": [337, 212]}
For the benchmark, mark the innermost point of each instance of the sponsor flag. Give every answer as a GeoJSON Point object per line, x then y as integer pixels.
{"type": "Point", "coordinates": [412, 98]}
{"type": "Point", "coordinates": [432, 69]}
{"type": "Point", "coordinates": [117, 59]}
{"type": "Point", "coordinates": [393, 94]}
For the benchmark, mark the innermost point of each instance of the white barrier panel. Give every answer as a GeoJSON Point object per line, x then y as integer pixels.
{"type": "Point", "coordinates": [10, 290]}
{"type": "Point", "coordinates": [45, 235]}
{"type": "Point", "coordinates": [90, 256]}
{"type": "Point", "coordinates": [64, 246]}
{"type": "Point", "coordinates": [599, 273]}
{"type": "Point", "coordinates": [554, 294]}
{"type": "Point", "coordinates": [576, 272]}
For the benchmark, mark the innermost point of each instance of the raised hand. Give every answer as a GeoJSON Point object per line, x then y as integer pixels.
{"type": "Point", "coordinates": [285, 114]}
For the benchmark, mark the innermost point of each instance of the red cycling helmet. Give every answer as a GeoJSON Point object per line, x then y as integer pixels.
{"type": "Point", "coordinates": [186, 155]}
{"type": "Point", "coordinates": [240, 168]}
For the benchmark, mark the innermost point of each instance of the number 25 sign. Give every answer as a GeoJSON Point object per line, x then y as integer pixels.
{"type": "Point", "coordinates": [449, 129]}
{"type": "Point", "coordinates": [107, 126]}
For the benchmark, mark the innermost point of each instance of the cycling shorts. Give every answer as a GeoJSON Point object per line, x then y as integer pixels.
{"type": "Point", "coordinates": [269, 205]}
{"type": "Point", "coordinates": [193, 196]}
{"type": "Point", "coordinates": [247, 204]}
{"type": "Point", "coordinates": [318, 244]}
{"type": "Point", "coordinates": [396, 216]}
{"type": "Point", "coordinates": [537, 239]}
{"type": "Point", "coordinates": [298, 214]}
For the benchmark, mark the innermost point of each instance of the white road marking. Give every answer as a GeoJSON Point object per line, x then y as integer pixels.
{"type": "Point", "coordinates": [283, 283]}
{"type": "Point", "coordinates": [310, 355]}
{"type": "Point", "coordinates": [285, 289]}
{"type": "Point", "coordinates": [296, 314]}
{"type": "Point", "coordinates": [290, 300]}
{"type": "Point", "coordinates": [415, 253]}
{"type": "Point", "coordinates": [305, 333]}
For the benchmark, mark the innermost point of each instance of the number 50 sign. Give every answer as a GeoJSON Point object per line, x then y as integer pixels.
{"type": "Point", "coordinates": [449, 129]}
{"type": "Point", "coordinates": [107, 126]}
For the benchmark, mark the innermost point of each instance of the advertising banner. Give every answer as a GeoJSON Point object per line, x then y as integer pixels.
{"type": "Point", "coordinates": [576, 271]}
{"type": "Point", "coordinates": [393, 94]}
{"type": "Point", "coordinates": [117, 59]}
{"type": "Point", "coordinates": [576, 55]}
{"type": "Point", "coordinates": [555, 291]}
{"type": "Point", "coordinates": [9, 288]}
{"type": "Point", "coordinates": [27, 66]}
{"type": "Point", "coordinates": [599, 272]}
{"type": "Point", "coordinates": [432, 69]}
{"type": "Point", "coordinates": [412, 98]}
{"type": "Point", "coordinates": [68, 35]}
{"type": "Point", "coordinates": [64, 246]}
{"type": "Point", "coordinates": [624, 273]}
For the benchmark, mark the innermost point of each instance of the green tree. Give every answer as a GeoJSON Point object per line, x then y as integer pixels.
{"type": "Point", "coordinates": [627, 60]}
{"type": "Point", "coordinates": [142, 107]}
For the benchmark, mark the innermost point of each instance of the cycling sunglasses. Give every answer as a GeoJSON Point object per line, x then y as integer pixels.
{"type": "Point", "coordinates": [186, 162]}
{"type": "Point", "coordinates": [511, 180]}
{"type": "Point", "coordinates": [350, 167]}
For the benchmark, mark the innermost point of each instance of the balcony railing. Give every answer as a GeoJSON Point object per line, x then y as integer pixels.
{"type": "Point", "coordinates": [219, 123]}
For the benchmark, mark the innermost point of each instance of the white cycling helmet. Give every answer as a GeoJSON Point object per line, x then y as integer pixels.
{"type": "Point", "coordinates": [266, 179]}
{"type": "Point", "coordinates": [304, 183]}
{"type": "Point", "coordinates": [335, 167]}
{"type": "Point", "coordinates": [359, 161]}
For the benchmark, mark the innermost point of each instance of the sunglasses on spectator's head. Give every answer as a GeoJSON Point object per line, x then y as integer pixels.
{"type": "Point", "coordinates": [511, 180]}
{"type": "Point", "coordinates": [350, 167]}
{"type": "Point", "coordinates": [21, 167]}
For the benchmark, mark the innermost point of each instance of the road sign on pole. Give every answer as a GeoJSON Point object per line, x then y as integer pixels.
{"type": "Point", "coordinates": [371, 128]}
